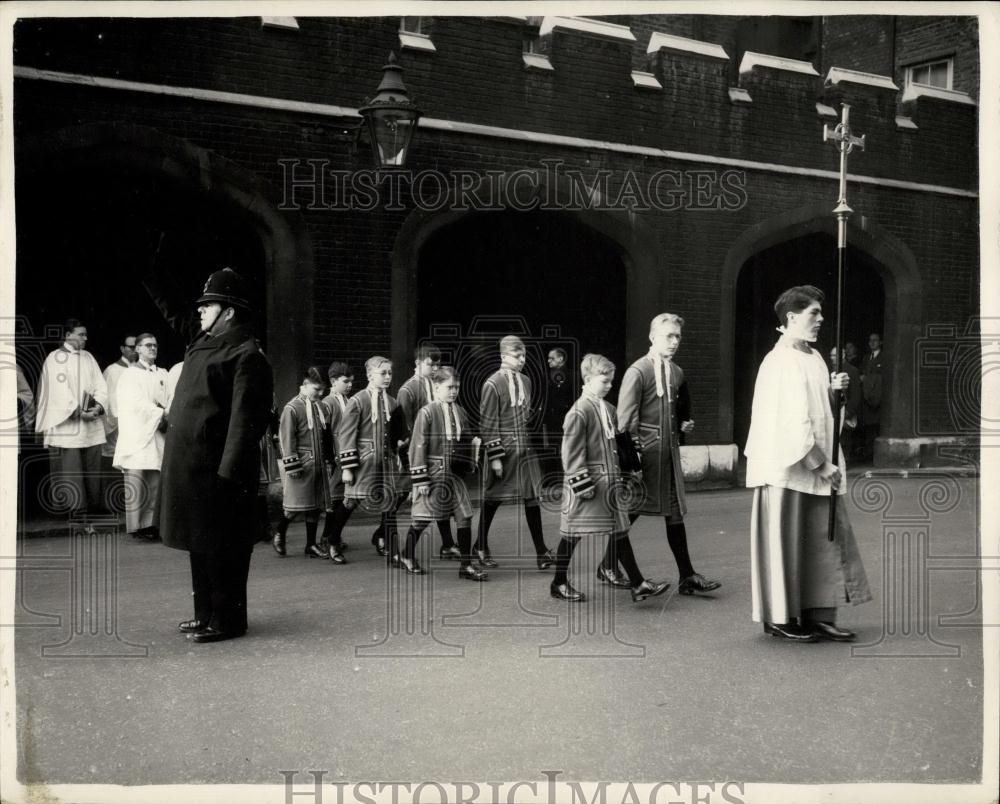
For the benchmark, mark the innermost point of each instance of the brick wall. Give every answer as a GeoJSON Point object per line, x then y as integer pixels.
{"type": "Point", "coordinates": [476, 76]}
{"type": "Point", "coordinates": [921, 39]}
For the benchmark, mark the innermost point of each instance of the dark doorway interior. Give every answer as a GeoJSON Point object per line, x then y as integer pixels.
{"type": "Point", "coordinates": [543, 275]}
{"type": "Point", "coordinates": [83, 252]}
{"type": "Point", "coordinates": [808, 260]}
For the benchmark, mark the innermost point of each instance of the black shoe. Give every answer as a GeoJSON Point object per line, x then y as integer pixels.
{"type": "Point", "coordinates": [649, 589]}
{"type": "Point", "coordinates": [696, 583]}
{"type": "Point", "coordinates": [411, 566]}
{"type": "Point", "coordinates": [278, 543]}
{"type": "Point", "coordinates": [450, 553]}
{"type": "Point", "coordinates": [472, 573]}
{"type": "Point", "coordinates": [393, 559]}
{"type": "Point", "coordinates": [830, 631]}
{"type": "Point", "coordinates": [485, 559]}
{"type": "Point", "coordinates": [612, 578]}
{"type": "Point", "coordinates": [191, 626]}
{"type": "Point", "coordinates": [380, 546]}
{"type": "Point", "coordinates": [790, 631]}
{"type": "Point", "coordinates": [335, 555]}
{"type": "Point", "coordinates": [215, 635]}
{"type": "Point", "coordinates": [563, 591]}
{"type": "Point", "coordinates": [314, 551]}
{"type": "Point", "coordinates": [545, 560]}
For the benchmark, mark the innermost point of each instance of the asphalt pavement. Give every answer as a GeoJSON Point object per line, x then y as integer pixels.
{"type": "Point", "coordinates": [370, 674]}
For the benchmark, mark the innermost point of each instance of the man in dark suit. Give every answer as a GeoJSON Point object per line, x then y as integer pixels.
{"type": "Point", "coordinates": [560, 394]}
{"type": "Point", "coordinates": [852, 404]}
{"type": "Point", "coordinates": [872, 391]}
{"type": "Point", "coordinates": [211, 460]}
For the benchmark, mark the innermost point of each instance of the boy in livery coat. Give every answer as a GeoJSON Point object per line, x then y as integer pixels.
{"type": "Point", "coordinates": [653, 407]}
{"type": "Point", "coordinates": [337, 514]}
{"type": "Point", "coordinates": [513, 474]}
{"type": "Point", "coordinates": [441, 449]}
{"type": "Point", "coordinates": [367, 459]}
{"type": "Point", "coordinates": [594, 497]}
{"type": "Point", "coordinates": [413, 395]}
{"type": "Point", "coordinates": [303, 435]}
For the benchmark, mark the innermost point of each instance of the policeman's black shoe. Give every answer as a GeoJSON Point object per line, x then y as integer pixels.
{"type": "Point", "coordinates": [563, 591]}
{"type": "Point", "coordinates": [545, 560]}
{"type": "Point", "coordinates": [485, 559]}
{"type": "Point", "coordinates": [789, 631]}
{"type": "Point", "coordinates": [450, 553]}
{"type": "Point", "coordinates": [823, 630]}
{"type": "Point", "coordinates": [380, 546]}
{"type": "Point", "coordinates": [411, 566]}
{"type": "Point", "coordinates": [612, 578]}
{"type": "Point", "coordinates": [278, 543]}
{"type": "Point", "coordinates": [314, 551]}
{"type": "Point", "coordinates": [215, 635]}
{"type": "Point", "coordinates": [335, 555]}
{"type": "Point", "coordinates": [696, 583]}
{"type": "Point", "coordinates": [393, 560]}
{"type": "Point", "coordinates": [472, 573]}
{"type": "Point", "coordinates": [649, 589]}
{"type": "Point", "coordinates": [191, 626]}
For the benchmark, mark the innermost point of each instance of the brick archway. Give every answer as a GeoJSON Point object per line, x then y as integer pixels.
{"type": "Point", "coordinates": [637, 245]}
{"type": "Point", "coordinates": [145, 151]}
{"type": "Point", "coordinates": [897, 269]}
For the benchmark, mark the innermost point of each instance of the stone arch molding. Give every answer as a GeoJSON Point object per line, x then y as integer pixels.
{"type": "Point", "coordinates": [897, 268]}
{"type": "Point", "coordinates": [146, 150]}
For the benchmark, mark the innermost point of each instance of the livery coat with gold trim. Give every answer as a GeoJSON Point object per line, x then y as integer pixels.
{"type": "Point", "coordinates": [505, 436]}
{"type": "Point", "coordinates": [412, 396]}
{"type": "Point", "coordinates": [654, 422]}
{"type": "Point", "coordinates": [334, 413]}
{"type": "Point", "coordinates": [302, 450]}
{"type": "Point", "coordinates": [364, 448]}
{"type": "Point", "coordinates": [431, 457]}
{"type": "Point", "coordinates": [590, 463]}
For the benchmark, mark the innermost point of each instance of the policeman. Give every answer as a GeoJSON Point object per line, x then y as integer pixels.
{"type": "Point", "coordinates": [211, 458]}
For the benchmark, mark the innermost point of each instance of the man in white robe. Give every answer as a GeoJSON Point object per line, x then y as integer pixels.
{"type": "Point", "coordinates": [798, 575]}
{"type": "Point", "coordinates": [141, 405]}
{"type": "Point", "coordinates": [72, 401]}
{"type": "Point", "coordinates": [111, 376]}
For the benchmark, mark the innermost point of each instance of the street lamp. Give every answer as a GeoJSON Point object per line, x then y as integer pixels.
{"type": "Point", "coordinates": [391, 117]}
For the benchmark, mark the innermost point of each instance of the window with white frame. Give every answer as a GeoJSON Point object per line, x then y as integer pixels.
{"type": "Point", "coordinates": [937, 73]}
{"type": "Point", "coordinates": [414, 33]}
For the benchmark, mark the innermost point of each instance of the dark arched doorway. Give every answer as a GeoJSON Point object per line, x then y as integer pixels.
{"type": "Point", "coordinates": [806, 260]}
{"type": "Point", "coordinates": [115, 229]}
{"type": "Point", "coordinates": [544, 275]}
{"type": "Point", "coordinates": [101, 204]}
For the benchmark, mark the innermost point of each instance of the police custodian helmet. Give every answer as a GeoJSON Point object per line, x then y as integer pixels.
{"type": "Point", "coordinates": [225, 287]}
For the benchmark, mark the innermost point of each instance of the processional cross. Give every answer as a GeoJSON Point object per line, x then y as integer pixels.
{"type": "Point", "coordinates": [846, 142]}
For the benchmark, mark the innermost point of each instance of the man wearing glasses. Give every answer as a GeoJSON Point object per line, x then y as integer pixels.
{"type": "Point", "coordinates": [141, 405]}
{"type": "Point", "coordinates": [112, 374]}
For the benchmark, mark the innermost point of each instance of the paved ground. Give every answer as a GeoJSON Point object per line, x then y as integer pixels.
{"type": "Point", "coordinates": [508, 682]}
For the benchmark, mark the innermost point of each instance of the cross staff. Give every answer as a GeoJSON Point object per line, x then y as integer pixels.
{"type": "Point", "coordinates": [845, 142]}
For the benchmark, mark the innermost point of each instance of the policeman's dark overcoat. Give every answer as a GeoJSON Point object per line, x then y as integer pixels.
{"type": "Point", "coordinates": [218, 415]}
